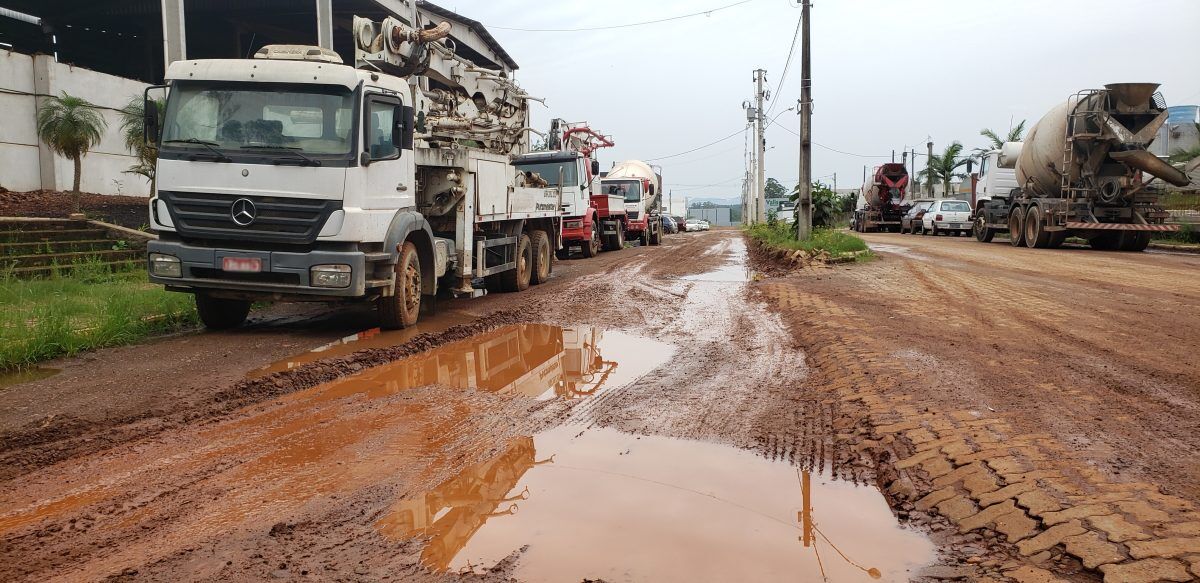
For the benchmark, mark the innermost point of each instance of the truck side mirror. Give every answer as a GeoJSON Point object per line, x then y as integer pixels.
{"type": "Point", "coordinates": [150, 116]}
{"type": "Point", "coordinates": [398, 127]}
{"type": "Point", "coordinates": [595, 167]}
{"type": "Point", "coordinates": [409, 121]}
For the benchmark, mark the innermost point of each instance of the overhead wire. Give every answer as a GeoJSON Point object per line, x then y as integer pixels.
{"type": "Point", "coordinates": [626, 25]}
{"type": "Point", "coordinates": [696, 148]}
{"type": "Point", "coordinates": [786, 65]}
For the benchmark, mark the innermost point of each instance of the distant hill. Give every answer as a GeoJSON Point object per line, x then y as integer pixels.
{"type": "Point", "coordinates": [736, 200]}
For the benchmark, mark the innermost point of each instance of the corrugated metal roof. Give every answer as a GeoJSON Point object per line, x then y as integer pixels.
{"type": "Point", "coordinates": [475, 27]}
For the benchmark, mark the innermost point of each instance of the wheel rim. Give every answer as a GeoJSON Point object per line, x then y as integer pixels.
{"type": "Point", "coordinates": [543, 259]}
{"type": "Point", "coordinates": [412, 287]}
{"type": "Point", "coordinates": [1033, 227]}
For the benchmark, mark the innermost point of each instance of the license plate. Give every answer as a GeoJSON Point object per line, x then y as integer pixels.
{"type": "Point", "coordinates": [243, 264]}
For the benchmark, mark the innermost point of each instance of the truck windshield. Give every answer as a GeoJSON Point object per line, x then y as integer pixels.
{"type": "Point", "coordinates": [630, 189]}
{"type": "Point", "coordinates": [314, 119]}
{"type": "Point", "coordinates": [549, 171]}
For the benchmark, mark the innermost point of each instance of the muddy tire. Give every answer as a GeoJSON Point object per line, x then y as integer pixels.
{"type": "Point", "coordinates": [983, 234]}
{"type": "Point", "coordinates": [220, 313]}
{"type": "Point", "coordinates": [402, 308]}
{"type": "Point", "coordinates": [1016, 227]}
{"type": "Point", "coordinates": [656, 235]}
{"type": "Point", "coordinates": [563, 254]}
{"type": "Point", "coordinates": [615, 242]}
{"type": "Point", "coordinates": [1133, 241]}
{"type": "Point", "coordinates": [1105, 241]}
{"type": "Point", "coordinates": [934, 231]}
{"type": "Point", "coordinates": [517, 279]}
{"type": "Point", "coordinates": [1057, 238]}
{"type": "Point", "coordinates": [593, 246]}
{"type": "Point", "coordinates": [1036, 235]}
{"type": "Point", "coordinates": [540, 273]}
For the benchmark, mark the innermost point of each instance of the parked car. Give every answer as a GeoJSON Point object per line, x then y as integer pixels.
{"type": "Point", "coordinates": [669, 225]}
{"type": "Point", "coordinates": [680, 222]}
{"type": "Point", "coordinates": [947, 216]}
{"type": "Point", "coordinates": [705, 225]}
{"type": "Point", "coordinates": [911, 221]}
{"type": "Point", "coordinates": [693, 225]}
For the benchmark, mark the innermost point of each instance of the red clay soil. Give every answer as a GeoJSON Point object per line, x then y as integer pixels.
{"type": "Point", "coordinates": [127, 211]}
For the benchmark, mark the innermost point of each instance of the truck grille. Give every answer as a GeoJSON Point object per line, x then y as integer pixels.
{"type": "Point", "coordinates": [276, 220]}
{"type": "Point", "coordinates": [633, 215]}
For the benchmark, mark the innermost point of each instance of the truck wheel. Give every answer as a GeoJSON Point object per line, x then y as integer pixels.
{"type": "Point", "coordinates": [1036, 235]}
{"type": "Point", "coordinates": [1016, 227]}
{"type": "Point", "coordinates": [563, 254]}
{"type": "Point", "coordinates": [644, 238]}
{"type": "Point", "coordinates": [1057, 238]}
{"type": "Point", "coordinates": [220, 313]}
{"type": "Point", "coordinates": [541, 257]}
{"type": "Point", "coordinates": [656, 236]}
{"type": "Point", "coordinates": [593, 246]}
{"type": "Point", "coordinates": [403, 307]}
{"type": "Point", "coordinates": [1134, 241]}
{"type": "Point", "coordinates": [517, 279]}
{"type": "Point", "coordinates": [982, 233]}
{"type": "Point", "coordinates": [1105, 241]}
{"type": "Point", "coordinates": [934, 231]}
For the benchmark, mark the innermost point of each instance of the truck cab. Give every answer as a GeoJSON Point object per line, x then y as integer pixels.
{"type": "Point", "coordinates": [639, 187]}
{"type": "Point", "coordinates": [993, 180]}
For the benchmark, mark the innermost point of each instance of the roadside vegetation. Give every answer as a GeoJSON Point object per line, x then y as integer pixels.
{"type": "Point", "coordinates": [829, 241]}
{"type": "Point", "coordinates": [91, 308]}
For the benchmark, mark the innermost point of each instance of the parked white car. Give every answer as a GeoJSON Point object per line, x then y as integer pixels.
{"type": "Point", "coordinates": [947, 216]}
{"type": "Point", "coordinates": [691, 225]}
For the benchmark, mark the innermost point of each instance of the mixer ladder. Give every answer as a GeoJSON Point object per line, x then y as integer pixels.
{"type": "Point", "coordinates": [1081, 109]}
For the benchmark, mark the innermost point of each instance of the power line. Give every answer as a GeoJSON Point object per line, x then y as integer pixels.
{"type": "Point", "coordinates": [627, 25]}
{"type": "Point", "coordinates": [786, 64]}
{"type": "Point", "coordinates": [695, 149]}
{"type": "Point", "coordinates": [789, 130]}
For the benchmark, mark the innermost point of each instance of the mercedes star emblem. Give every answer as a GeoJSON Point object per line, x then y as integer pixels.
{"type": "Point", "coordinates": [243, 212]}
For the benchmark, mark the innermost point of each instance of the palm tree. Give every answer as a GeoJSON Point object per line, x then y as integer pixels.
{"type": "Point", "coordinates": [132, 126]}
{"type": "Point", "coordinates": [943, 167]}
{"type": "Point", "coordinates": [70, 126]}
{"type": "Point", "coordinates": [1014, 135]}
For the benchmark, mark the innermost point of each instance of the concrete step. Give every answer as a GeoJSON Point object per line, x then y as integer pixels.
{"type": "Point", "coordinates": [52, 235]}
{"type": "Point", "coordinates": [64, 259]}
{"type": "Point", "coordinates": [35, 224]}
{"type": "Point", "coordinates": [52, 246]}
{"type": "Point", "coordinates": [42, 271]}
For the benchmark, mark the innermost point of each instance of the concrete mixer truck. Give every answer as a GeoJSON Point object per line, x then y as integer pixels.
{"type": "Point", "coordinates": [1084, 171]}
{"type": "Point", "coordinates": [641, 187]}
{"type": "Point", "coordinates": [881, 202]}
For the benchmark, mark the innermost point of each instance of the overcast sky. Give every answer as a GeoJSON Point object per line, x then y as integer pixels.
{"type": "Point", "coordinates": [886, 74]}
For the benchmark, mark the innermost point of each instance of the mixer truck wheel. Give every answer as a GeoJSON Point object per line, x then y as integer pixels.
{"type": "Point", "coordinates": [403, 307]}
{"type": "Point", "coordinates": [1134, 241]}
{"type": "Point", "coordinates": [541, 257]}
{"type": "Point", "coordinates": [1016, 227]}
{"type": "Point", "coordinates": [1105, 241]}
{"type": "Point", "coordinates": [592, 247]}
{"type": "Point", "coordinates": [983, 234]}
{"type": "Point", "coordinates": [1036, 235]}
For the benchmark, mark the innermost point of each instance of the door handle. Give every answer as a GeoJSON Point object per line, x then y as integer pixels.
{"type": "Point", "coordinates": [401, 187]}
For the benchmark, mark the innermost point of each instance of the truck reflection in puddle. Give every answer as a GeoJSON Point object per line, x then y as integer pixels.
{"type": "Point", "coordinates": [531, 360]}
{"type": "Point", "coordinates": [602, 504]}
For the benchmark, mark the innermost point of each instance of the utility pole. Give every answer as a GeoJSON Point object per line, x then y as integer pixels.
{"type": "Point", "coordinates": [929, 168]}
{"type": "Point", "coordinates": [760, 144]}
{"type": "Point", "coordinates": [804, 208]}
{"type": "Point", "coordinates": [835, 183]}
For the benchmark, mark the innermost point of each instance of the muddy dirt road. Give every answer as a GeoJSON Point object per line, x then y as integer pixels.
{"type": "Point", "coordinates": [653, 414]}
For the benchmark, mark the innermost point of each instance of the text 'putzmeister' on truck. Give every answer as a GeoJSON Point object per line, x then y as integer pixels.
{"type": "Point", "coordinates": [292, 176]}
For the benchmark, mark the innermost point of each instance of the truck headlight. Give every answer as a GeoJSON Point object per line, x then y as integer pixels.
{"type": "Point", "coordinates": [165, 265]}
{"type": "Point", "coordinates": [329, 276]}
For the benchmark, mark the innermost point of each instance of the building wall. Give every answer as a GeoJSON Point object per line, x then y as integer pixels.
{"type": "Point", "coordinates": [26, 164]}
{"type": "Point", "coordinates": [718, 217]}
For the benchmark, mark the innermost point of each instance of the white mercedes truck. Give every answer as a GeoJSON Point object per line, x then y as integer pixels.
{"type": "Point", "coordinates": [292, 176]}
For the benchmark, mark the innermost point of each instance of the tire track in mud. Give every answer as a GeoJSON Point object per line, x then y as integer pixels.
{"type": "Point", "coordinates": [972, 472]}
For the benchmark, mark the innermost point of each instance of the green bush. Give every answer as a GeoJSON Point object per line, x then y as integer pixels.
{"type": "Point", "coordinates": [834, 242]}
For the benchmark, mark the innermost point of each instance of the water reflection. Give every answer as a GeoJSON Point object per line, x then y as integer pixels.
{"type": "Point", "coordinates": [531, 360]}
{"type": "Point", "coordinates": [26, 375]}
{"type": "Point", "coordinates": [615, 506]}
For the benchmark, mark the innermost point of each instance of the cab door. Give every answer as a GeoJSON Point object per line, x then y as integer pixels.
{"type": "Point", "coordinates": [387, 156]}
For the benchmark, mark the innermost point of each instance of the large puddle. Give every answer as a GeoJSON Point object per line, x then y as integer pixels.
{"type": "Point", "coordinates": [597, 503]}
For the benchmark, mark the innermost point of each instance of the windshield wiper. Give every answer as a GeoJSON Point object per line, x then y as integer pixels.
{"type": "Point", "coordinates": [221, 157]}
{"type": "Point", "coordinates": [293, 150]}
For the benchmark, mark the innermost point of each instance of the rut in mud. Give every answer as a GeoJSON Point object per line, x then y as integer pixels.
{"type": "Point", "coordinates": [642, 390]}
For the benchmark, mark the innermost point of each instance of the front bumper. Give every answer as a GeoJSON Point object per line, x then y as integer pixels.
{"type": "Point", "coordinates": [580, 233]}
{"type": "Point", "coordinates": [953, 225]}
{"type": "Point", "coordinates": [283, 273]}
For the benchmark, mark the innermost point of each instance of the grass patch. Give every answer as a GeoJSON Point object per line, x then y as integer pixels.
{"type": "Point", "coordinates": [836, 243]}
{"type": "Point", "coordinates": [90, 308]}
